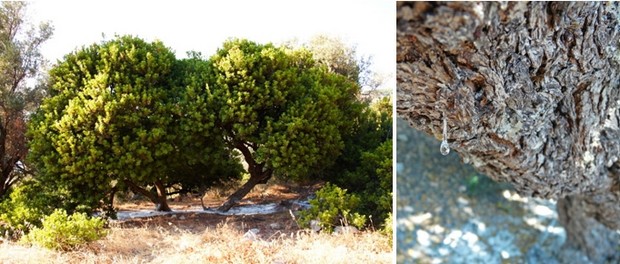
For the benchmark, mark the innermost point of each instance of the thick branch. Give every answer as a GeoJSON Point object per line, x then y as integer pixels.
{"type": "Point", "coordinates": [530, 92]}
{"type": "Point", "coordinates": [137, 189]}
{"type": "Point", "coordinates": [528, 97]}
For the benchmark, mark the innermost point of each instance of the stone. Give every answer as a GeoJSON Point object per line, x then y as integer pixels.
{"type": "Point", "coordinates": [251, 234]}
{"type": "Point", "coordinates": [314, 225]}
{"type": "Point", "coordinates": [346, 230]}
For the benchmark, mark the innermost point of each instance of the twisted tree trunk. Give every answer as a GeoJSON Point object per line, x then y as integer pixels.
{"type": "Point", "coordinates": [530, 93]}
{"type": "Point", "coordinates": [258, 175]}
{"type": "Point", "coordinates": [159, 198]}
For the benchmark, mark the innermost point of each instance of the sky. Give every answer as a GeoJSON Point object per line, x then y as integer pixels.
{"type": "Point", "coordinates": [203, 26]}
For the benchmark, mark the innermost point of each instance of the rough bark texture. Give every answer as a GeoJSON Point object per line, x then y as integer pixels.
{"type": "Point", "coordinates": [530, 93]}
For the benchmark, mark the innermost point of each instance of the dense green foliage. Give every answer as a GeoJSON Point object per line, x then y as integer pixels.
{"type": "Point", "coordinates": [275, 106]}
{"type": "Point", "coordinates": [127, 114]}
{"type": "Point", "coordinates": [203, 159]}
{"type": "Point", "coordinates": [376, 172]}
{"type": "Point", "coordinates": [107, 118]}
{"type": "Point", "coordinates": [116, 116]}
{"type": "Point", "coordinates": [366, 167]}
{"type": "Point", "coordinates": [24, 208]}
{"type": "Point", "coordinates": [333, 206]}
{"type": "Point", "coordinates": [66, 232]}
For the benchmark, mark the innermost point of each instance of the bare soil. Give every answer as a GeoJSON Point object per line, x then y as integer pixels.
{"type": "Point", "coordinates": [194, 222]}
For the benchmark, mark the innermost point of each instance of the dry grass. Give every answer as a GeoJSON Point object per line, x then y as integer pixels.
{"type": "Point", "coordinates": [201, 238]}
{"type": "Point", "coordinates": [223, 244]}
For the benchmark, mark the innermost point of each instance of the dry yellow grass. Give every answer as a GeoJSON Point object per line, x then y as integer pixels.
{"type": "Point", "coordinates": [223, 244]}
{"type": "Point", "coordinates": [167, 240]}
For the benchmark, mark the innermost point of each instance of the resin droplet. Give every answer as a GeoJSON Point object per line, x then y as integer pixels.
{"type": "Point", "coordinates": [444, 148]}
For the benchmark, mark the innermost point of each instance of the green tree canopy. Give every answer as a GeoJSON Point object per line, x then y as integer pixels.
{"type": "Point", "coordinates": [284, 113]}
{"type": "Point", "coordinates": [115, 118]}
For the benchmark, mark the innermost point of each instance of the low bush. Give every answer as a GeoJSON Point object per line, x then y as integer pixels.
{"type": "Point", "coordinates": [66, 232]}
{"type": "Point", "coordinates": [23, 209]}
{"type": "Point", "coordinates": [387, 226]}
{"type": "Point", "coordinates": [333, 206]}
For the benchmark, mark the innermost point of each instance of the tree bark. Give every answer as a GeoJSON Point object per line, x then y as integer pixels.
{"type": "Point", "coordinates": [585, 233]}
{"type": "Point", "coordinates": [12, 148]}
{"type": "Point", "coordinates": [258, 175]}
{"type": "Point", "coordinates": [159, 199]}
{"type": "Point", "coordinates": [234, 198]}
{"type": "Point", "coordinates": [530, 92]}
{"type": "Point", "coordinates": [162, 197]}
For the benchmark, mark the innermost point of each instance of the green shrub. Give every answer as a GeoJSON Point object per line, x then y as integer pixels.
{"type": "Point", "coordinates": [372, 182]}
{"type": "Point", "coordinates": [66, 232]}
{"type": "Point", "coordinates": [23, 209]}
{"type": "Point", "coordinates": [388, 225]}
{"type": "Point", "coordinates": [332, 207]}
{"type": "Point", "coordinates": [365, 168]}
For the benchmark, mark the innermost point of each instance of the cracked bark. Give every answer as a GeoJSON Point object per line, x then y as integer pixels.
{"type": "Point", "coordinates": [530, 92]}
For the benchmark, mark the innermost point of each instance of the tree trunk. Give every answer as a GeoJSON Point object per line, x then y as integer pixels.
{"type": "Point", "coordinates": [585, 233]}
{"type": "Point", "coordinates": [234, 198]}
{"type": "Point", "coordinates": [530, 93]}
{"type": "Point", "coordinates": [3, 174]}
{"type": "Point", "coordinates": [258, 175]}
{"type": "Point", "coordinates": [6, 166]}
{"type": "Point", "coordinates": [162, 197]}
{"type": "Point", "coordinates": [159, 199]}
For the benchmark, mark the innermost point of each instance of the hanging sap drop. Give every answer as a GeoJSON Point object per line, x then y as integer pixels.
{"type": "Point", "coordinates": [444, 148]}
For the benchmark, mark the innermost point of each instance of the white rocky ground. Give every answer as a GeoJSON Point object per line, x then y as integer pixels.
{"type": "Point", "coordinates": [247, 209]}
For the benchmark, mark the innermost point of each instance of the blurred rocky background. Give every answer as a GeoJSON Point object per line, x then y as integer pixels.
{"type": "Point", "coordinates": [449, 213]}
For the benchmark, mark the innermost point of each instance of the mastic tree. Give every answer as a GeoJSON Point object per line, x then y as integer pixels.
{"type": "Point", "coordinates": [116, 118]}
{"type": "Point", "coordinates": [529, 93]}
{"type": "Point", "coordinates": [20, 59]}
{"type": "Point", "coordinates": [279, 109]}
{"type": "Point", "coordinates": [107, 120]}
{"type": "Point", "coordinates": [204, 160]}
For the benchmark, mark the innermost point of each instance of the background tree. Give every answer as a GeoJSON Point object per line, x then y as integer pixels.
{"type": "Point", "coordinates": [280, 111]}
{"type": "Point", "coordinates": [338, 57]}
{"type": "Point", "coordinates": [344, 59]}
{"type": "Point", "coordinates": [529, 92]}
{"type": "Point", "coordinates": [20, 60]}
